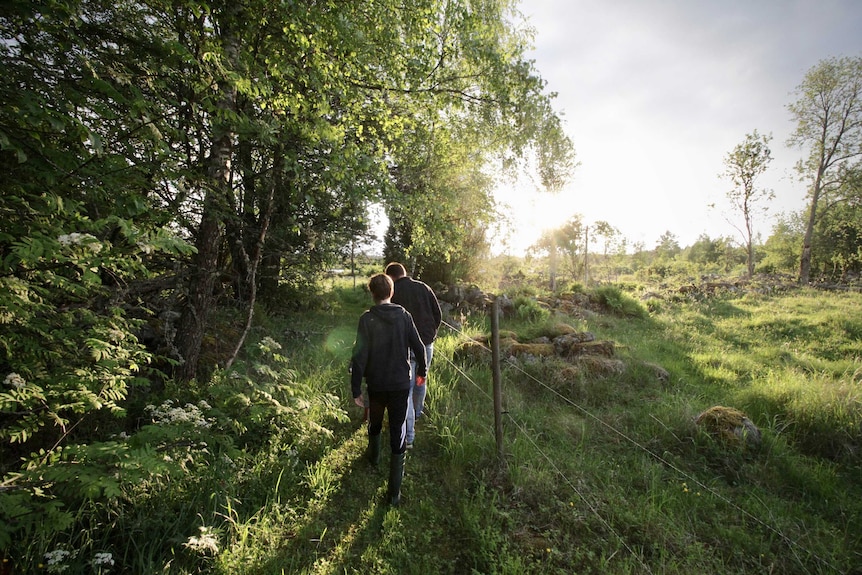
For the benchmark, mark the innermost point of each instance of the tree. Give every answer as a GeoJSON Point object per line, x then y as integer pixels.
{"type": "Point", "coordinates": [667, 247]}
{"type": "Point", "coordinates": [84, 227]}
{"type": "Point", "coordinates": [743, 165]}
{"type": "Point", "coordinates": [706, 253]}
{"type": "Point", "coordinates": [828, 115]}
{"type": "Point", "coordinates": [569, 241]}
{"type": "Point", "coordinates": [441, 203]}
{"type": "Point", "coordinates": [782, 247]}
{"type": "Point", "coordinates": [613, 243]}
{"type": "Point", "coordinates": [477, 100]}
{"type": "Point", "coordinates": [838, 236]}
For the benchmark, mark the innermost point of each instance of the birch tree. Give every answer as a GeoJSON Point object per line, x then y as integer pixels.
{"type": "Point", "coordinates": [743, 165]}
{"type": "Point", "coordinates": [828, 115]}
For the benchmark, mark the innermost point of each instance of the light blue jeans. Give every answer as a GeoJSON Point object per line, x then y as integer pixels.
{"type": "Point", "coordinates": [417, 393]}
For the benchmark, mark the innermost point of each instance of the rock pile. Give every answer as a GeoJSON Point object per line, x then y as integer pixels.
{"type": "Point", "coordinates": [560, 340]}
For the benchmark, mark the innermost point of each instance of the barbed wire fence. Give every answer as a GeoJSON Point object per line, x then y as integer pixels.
{"type": "Point", "coordinates": [794, 546]}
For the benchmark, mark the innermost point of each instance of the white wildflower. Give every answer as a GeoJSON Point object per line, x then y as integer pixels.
{"type": "Point", "coordinates": [56, 560]}
{"type": "Point", "coordinates": [269, 344]}
{"type": "Point", "coordinates": [56, 556]}
{"type": "Point", "coordinates": [103, 559]}
{"type": "Point", "coordinates": [167, 414]}
{"type": "Point", "coordinates": [90, 241]}
{"type": "Point", "coordinates": [15, 380]}
{"type": "Point", "coordinates": [206, 542]}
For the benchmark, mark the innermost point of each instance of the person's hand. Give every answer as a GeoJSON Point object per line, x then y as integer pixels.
{"type": "Point", "coordinates": [358, 401]}
{"type": "Point", "coordinates": [420, 381]}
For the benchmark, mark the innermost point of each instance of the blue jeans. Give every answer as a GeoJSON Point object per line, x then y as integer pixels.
{"type": "Point", "coordinates": [417, 393]}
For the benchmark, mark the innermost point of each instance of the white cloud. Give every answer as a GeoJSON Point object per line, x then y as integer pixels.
{"type": "Point", "coordinates": [655, 93]}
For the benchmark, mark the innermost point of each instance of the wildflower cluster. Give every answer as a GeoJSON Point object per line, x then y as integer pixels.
{"type": "Point", "coordinates": [87, 240]}
{"type": "Point", "coordinates": [685, 489]}
{"type": "Point", "coordinates": [60, 560]}
{"type": "Point", "coordinates": [268, 344]}
{"type": "Point", "coordinates": [167, 414]}
{"type": "Point", "coordinates": [103, 559]}
{"type": "Point", "coordinates": [206, 542]}
{"type": "Point", "coordinates": [56, 560]}
{"type": "Point", "coordinates": [14, 380]}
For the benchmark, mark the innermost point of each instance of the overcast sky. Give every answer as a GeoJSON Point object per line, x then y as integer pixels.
{"type": "Point", "coordinates": [655, 93]}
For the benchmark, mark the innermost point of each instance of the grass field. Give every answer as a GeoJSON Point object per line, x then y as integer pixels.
{"type": "Point", "coordinates": [604, 470]}
{"type": "Point", "coordinates": [602, 473]}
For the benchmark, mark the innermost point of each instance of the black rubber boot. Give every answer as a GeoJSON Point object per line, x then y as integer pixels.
{"type": "Point", "coordinates": [374, 449]}
{"type": "Point", "coordinates": [396, 474]}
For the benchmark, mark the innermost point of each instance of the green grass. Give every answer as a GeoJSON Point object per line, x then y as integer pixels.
{"type": "Point", "coordinates": [602, 474]}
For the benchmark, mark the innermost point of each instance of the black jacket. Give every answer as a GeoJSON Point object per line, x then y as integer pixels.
{"type": "Point", "coordinates": [385, 334]}
{"type": "Point", "coordinates": [420, 301]}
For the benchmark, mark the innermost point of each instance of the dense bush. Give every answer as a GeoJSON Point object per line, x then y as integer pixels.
{"type": "Point", "coordinates": [618, 302]}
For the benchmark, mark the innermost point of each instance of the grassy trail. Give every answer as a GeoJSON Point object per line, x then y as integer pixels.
{"type": "Point", "coordinates": [576, 497]}
{"type": "Point", "coordinates": [352, 530]}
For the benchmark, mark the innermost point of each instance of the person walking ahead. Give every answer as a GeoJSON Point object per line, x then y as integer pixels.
{"type": "Point", "coordinates": [385, 338]}
{"type": "Point", "coordinates": [419, 299]}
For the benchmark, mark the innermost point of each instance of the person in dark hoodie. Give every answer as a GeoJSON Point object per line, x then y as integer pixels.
{"type": "Point", "coordinates": [381, 354]}
{"type": "Point", "coordinates": [419, 299]}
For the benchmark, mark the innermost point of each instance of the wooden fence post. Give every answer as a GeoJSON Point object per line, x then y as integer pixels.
{"type": "Point", "coordinates": [495, 372]}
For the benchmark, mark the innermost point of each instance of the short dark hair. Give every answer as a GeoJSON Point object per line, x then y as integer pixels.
{"type": "Point", "coordinates": [396, 270]}
{"type": "Point", "coordinates": [380, 286]}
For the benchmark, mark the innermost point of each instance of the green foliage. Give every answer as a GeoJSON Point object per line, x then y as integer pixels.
{"type": "Point", "coordinates": [601, 473]}
{"type": "Point", "coordinates": [262, 397]}
{"type": "Point", "coordinates": [828, 115]}
{"type": "Point", "coordinates": [193, 440]}
{"type": "Point", "coordinates": [743, 165]}
{"type": "Point", "coordinates": [618, 302]}
{"type": "Point", "coordinates": [69, 355]}
{"type": "Point", "coordinates": [483, 104]}
{"type": "Point", "coordinates": [529, 309]}
{"type": "Point", "coordinates": [567, 241]}
{"type": "Point", "coordinates": [667, 246]}
{"type": "Point", "coordinates": [838, 239]}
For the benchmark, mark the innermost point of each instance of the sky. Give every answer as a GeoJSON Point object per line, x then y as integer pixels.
{"type": "Point", "coordinates": [655, 93]}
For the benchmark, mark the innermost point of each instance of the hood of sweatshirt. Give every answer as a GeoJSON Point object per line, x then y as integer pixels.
{"type": "Point", "coordinates": [388, 312]}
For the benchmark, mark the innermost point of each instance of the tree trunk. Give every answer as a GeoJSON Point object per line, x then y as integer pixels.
{"type": "Point", "coordinates": [270, 268]}
{"type": "Point", "coordinates": [193, 322]}
{"type": "Point", "coordinates": [254, 260]}
{"type": "Point", "coordinates": [805, 259]}
{"type": "Point", "coordinates": [240, 230]}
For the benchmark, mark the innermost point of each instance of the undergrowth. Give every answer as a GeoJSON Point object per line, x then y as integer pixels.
{"type": "Point", "coordinates": [601, 472]}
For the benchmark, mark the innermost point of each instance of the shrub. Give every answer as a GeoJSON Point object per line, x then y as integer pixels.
{"type": "Point", "coordinates": [529, 309]}
{"type": "Point", "coordinates": [612, 298]}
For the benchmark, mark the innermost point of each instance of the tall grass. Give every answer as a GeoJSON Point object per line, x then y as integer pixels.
{"type": "Point", "coordinates": [602, 472]}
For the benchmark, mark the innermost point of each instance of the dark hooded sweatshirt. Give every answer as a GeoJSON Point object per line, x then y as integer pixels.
{"type": "Point", "coordinates": [385, 334]}
{"type": "Point", "coordinates": [419, 299]}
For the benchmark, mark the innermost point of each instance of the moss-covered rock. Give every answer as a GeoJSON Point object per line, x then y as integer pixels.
{"type": "Point", "coordinates": [729, 425]}
{"type": "Point", "coordinates": [534, 349]}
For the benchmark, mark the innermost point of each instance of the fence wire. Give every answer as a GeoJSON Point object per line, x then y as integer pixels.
{"type": "Point", "coordinates": [793, 545]}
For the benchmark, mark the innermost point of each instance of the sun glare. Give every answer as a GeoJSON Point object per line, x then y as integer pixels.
{"type": "Point", "coordinates": [529, 214]}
